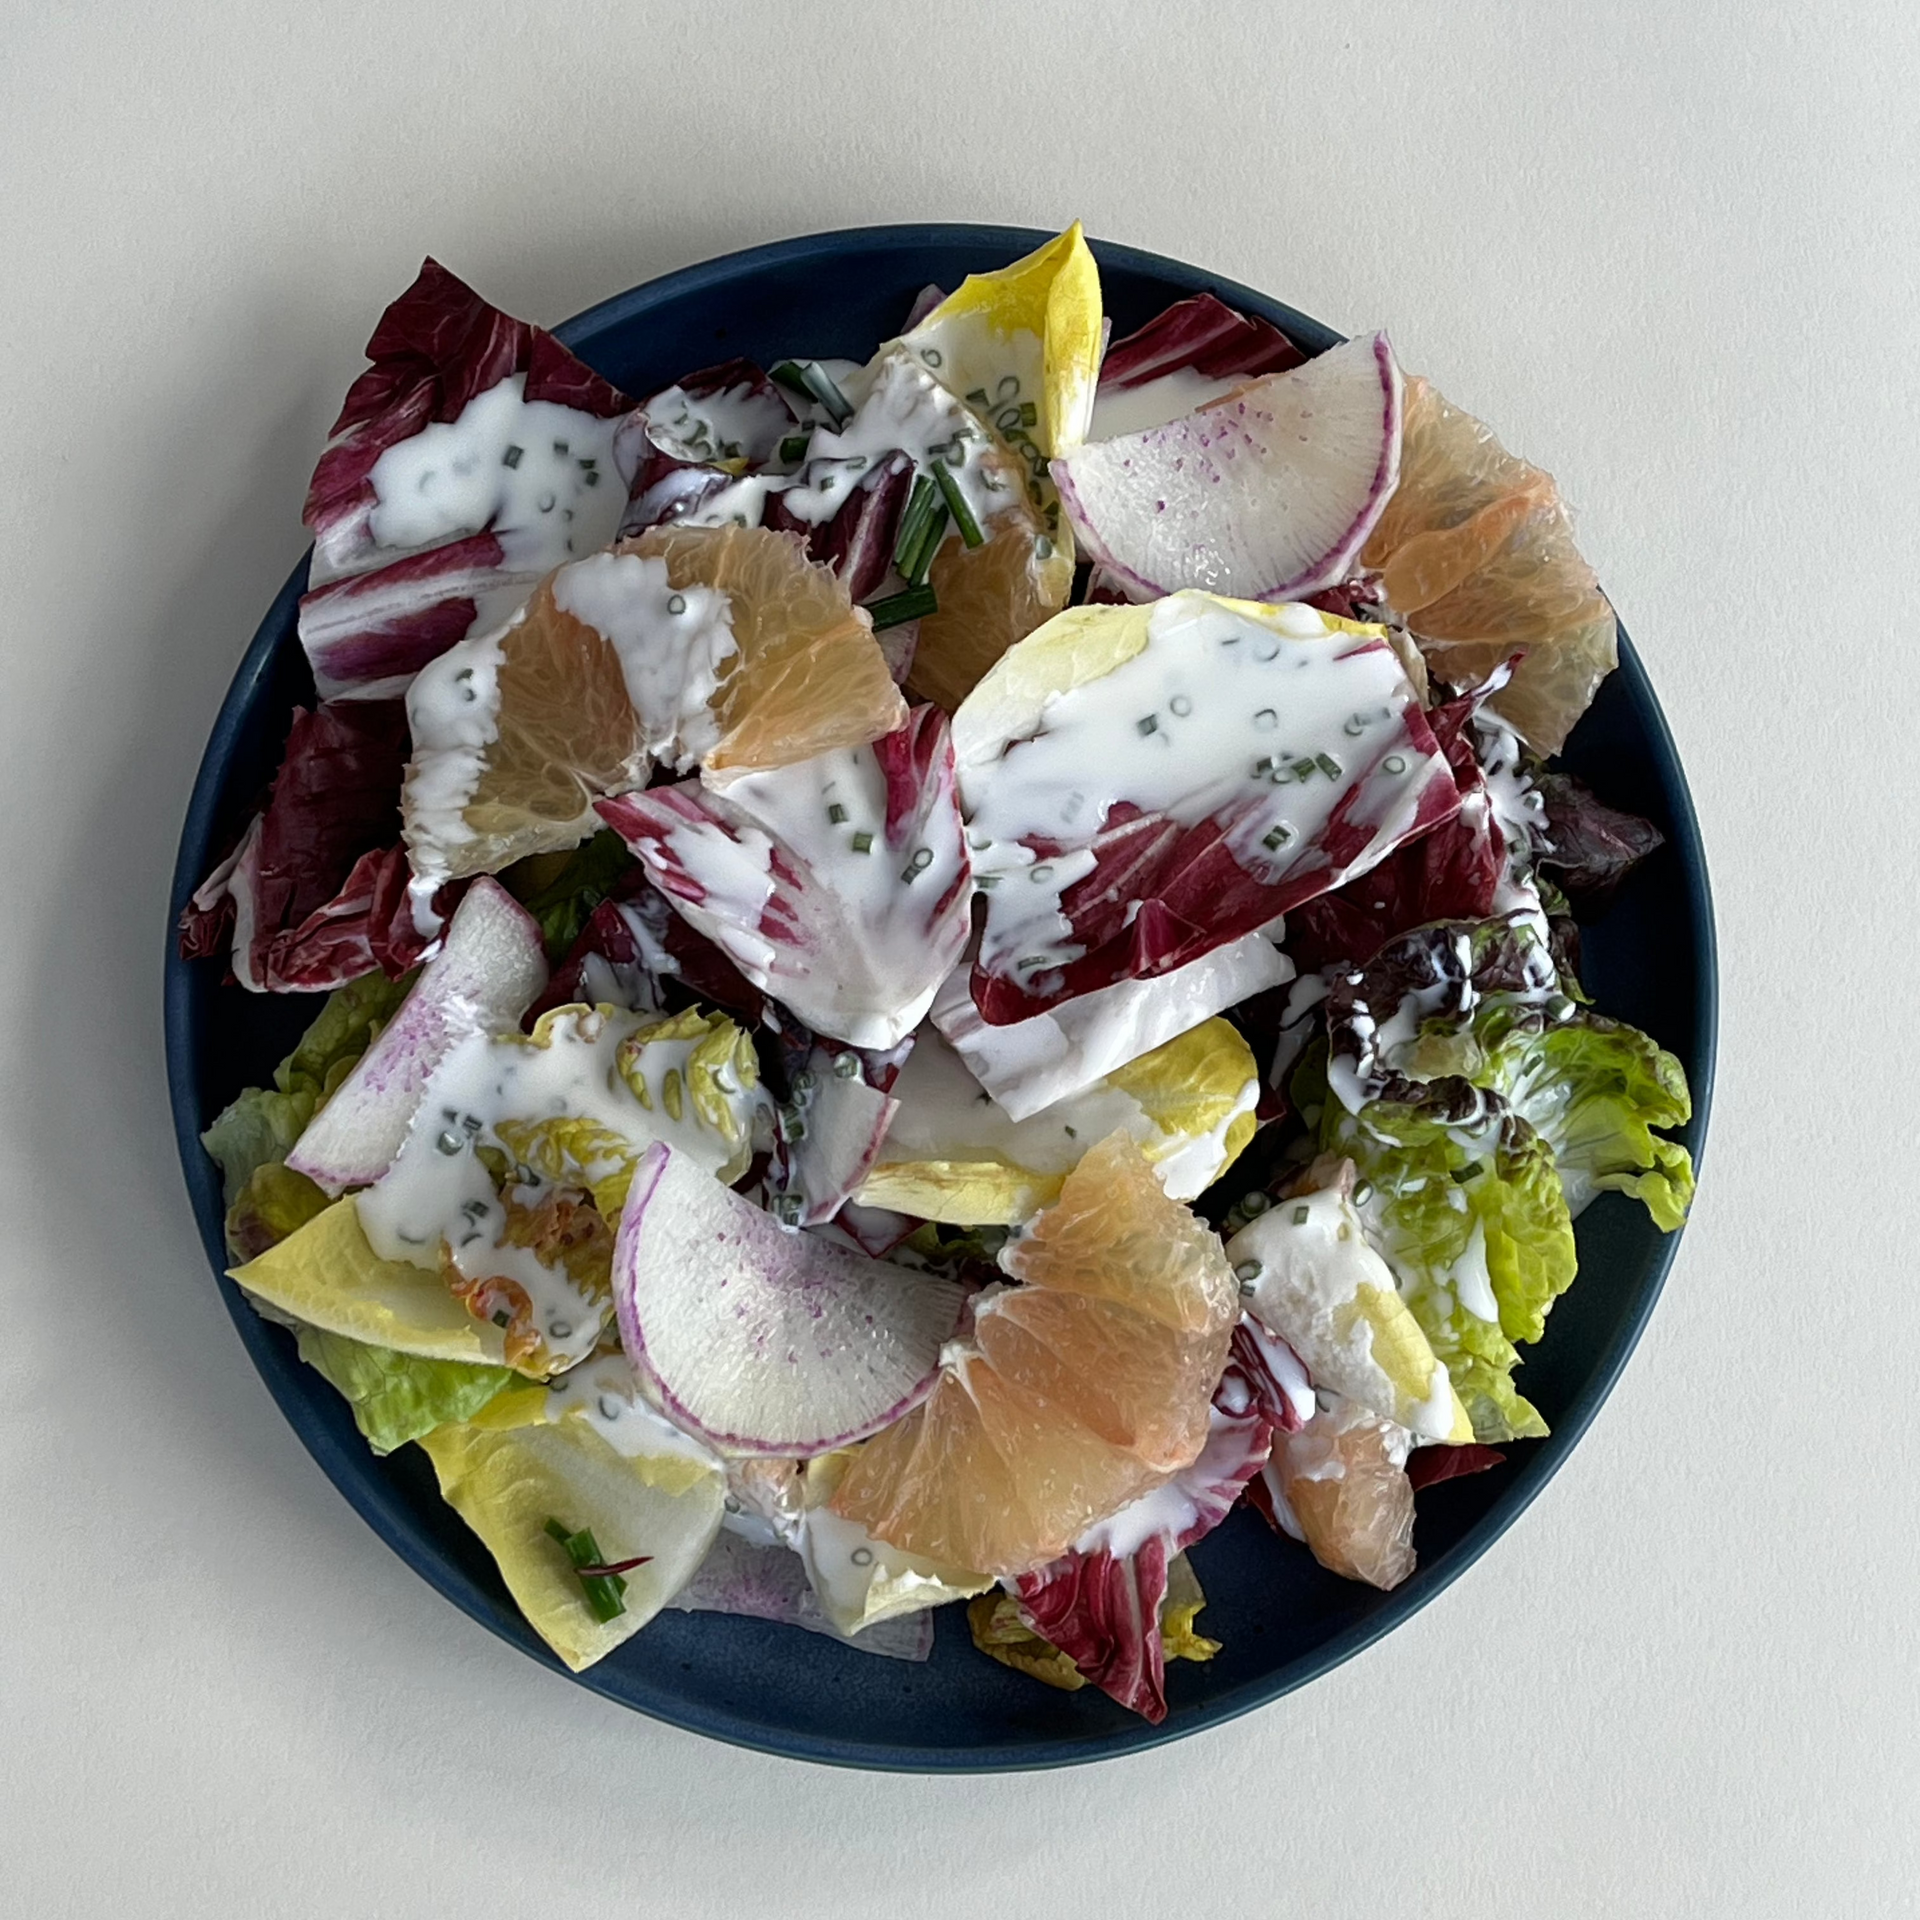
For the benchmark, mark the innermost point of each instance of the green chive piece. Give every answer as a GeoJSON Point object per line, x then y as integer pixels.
{"type": "Point", "coordinates": [1029, 414]}
{"type": "Point", "coordinates": [863, 843]}
{"type": "Point", "coordinates": [1151, 724]}
{"type": "Point", "coordinates": [813, 382]}
{"type": "Point", "coordinates": [920, 561]}
{"type": "Point", "coordinates": [792, 448]}
{"type": "Point", "coordinates": [913, 523]}
{"type": "Point", "coordinates": [602, 1591]}
{"type": "Point", "coordinates": [896, 609]}
{"type": "Point", "coordinates": [837, 814]}
{"type": "Point", "coordinates": [513, 456]}
{"type": "Point", "coordinates": [1277, 837]}
{"type": "Point", "coordinates": [957, 506]}
{"type": "Point", "coordinates": [1394, 764]}
{"type": "Point", "coordinates": [1301, 1216]}
{"type": "Point", "coordinates": [1327, 765]}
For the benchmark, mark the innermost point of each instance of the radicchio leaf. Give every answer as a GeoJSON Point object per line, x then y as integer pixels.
{"type": "Point", "coordinates": [838, 884]}
{"type": "Point", "coordinates": [437, 349]}
{"type": "Point", "coordinates": [1428, 1466]}
{"type": "Point", "coordinates": [1100, 1602]}
{"type": "Point", "coordinates": [316, 891]}
{"type": "Point", "coordinates": [1452, 872]}
{"type": "Point", "coordinates": [1594, 846]}
{"type": "Point", "coordinates": [1202, 335]}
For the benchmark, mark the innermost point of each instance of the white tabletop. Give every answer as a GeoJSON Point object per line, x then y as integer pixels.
{"type": "Point", "coordinates": [1669, 251]}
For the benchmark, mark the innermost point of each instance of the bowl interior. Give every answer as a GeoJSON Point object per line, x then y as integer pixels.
{"type": "Point", "coordinates": [1281, 1619]}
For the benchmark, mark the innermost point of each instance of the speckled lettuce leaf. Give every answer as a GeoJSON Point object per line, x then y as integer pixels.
{"type": "Point", "coordinates": [1482, 1001]}
{"type": "Point", "coordinates": [1595, 1090]}
{"type": "Point", "coordinates": [1466, 1205]}
{"type": "Point", "coordinates": [261, 1125]}
{"type": "Point", "coordinates": [397, 1397]}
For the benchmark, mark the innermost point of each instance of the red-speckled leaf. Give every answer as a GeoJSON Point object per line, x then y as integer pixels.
{"type": "Point", "coordinates": [1202, 335]}
{"type": "Point", "coordinates": [840, 884]}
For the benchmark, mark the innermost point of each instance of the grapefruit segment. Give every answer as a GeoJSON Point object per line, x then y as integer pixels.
{"type": "Point", "coordinates": [1079, 1390]}
{"type": "Point", "coordinates": [1476, 553]}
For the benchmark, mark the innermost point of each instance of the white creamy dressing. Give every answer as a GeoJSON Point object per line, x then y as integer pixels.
{"type": "Point", "coordinates": [1029, 1064]}
{"type": "Point", "coordinates": [603, 1393]}
{"type": "Point", "coordinates": [1262, 723]}
{"type": "Point", "coordinates": [673, 644]}
{"type": "Point", "coordinates": [742, 422]}
{"type": "Point", "coordinates": [905, 410]}
{"type": "Point", "coordinates": [1519, 810]}
{"type": "Point", "coordinates": [438, 1192]}
{"type": "Point", "coordinates": [865, 938]}
{"type": "Point", "coordinates": [538, 475]}
{"type": "Point", "coordinates": [453, 717]}
{"type": "Point", "coordinates": [945, 1114]}
{"type": "Point", "coordinates": [1118, 411]}
{"type": "Point", "coordinates": [1301, 1266]}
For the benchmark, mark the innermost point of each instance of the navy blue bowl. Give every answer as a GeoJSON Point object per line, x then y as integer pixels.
{"type": "Point", "coordinates": [1281, 1619]}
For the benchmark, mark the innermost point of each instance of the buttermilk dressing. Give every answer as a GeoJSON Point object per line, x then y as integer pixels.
{"type": "Point", "coordinates": [673, 644]}
{"type": "Point", "coordinates": [538, 475]}
{"type": "Point", "coordinates": [1029, 1064]}
{"type": "Point", "coordinates": [1266, 723]}
{"type": "Point", "coordinates": [814, 902]}
{"type": "Point", "coordinates": [1118, 411]}
{"type": "Point", "coordinates": [570, 1105]}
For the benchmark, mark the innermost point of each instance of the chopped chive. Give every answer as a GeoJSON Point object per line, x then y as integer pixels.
{"type": "Point", "coordinates": [591, 478]}
{"type": "Point", "coordinates": [503, 1318]}
{"type": "Point", "coordinates": [957, 505]}
{"type": "Point", "coordinates": [1277, 837]}
{"type": "Point", "coordinates": [793, 447]}
{"type": "Point", "coordinates": [1180, 706]}
{"type": "Point", "coordinates": [599, 1582]}
{"type": "Point", "coordinates": [932, 535]}
{"type": "Point", "coordinates": [921, 861]}
{"type": "Point", "coordinates": [1356, 726]}
{"type": "Point", "coordinates": [913, 523]}
{"type": "Point", "coordinates": [978, 396]}
{"type": "Point", "coordinates": [1393, 763]}
{"type": "Point", "coordinates": [899, 608]}
{"type": "Point", "coordinates": [1029, 414]}
{"type": "Point", "coordinates": [813, 382]}
{"type": "Point", "coordinates": [837, 814]}
{"type": "Point", "coordinates": [1301, 1215]}
{"type": "Point", "coordinates": [1363, 1193]}
{"type": "Point", "coordinates": [1327, 765]}
{"type": "Point", "coordinates": [863, 843]}
{"type": "Point", "coordinates": [1150, 724]}
{"type": "Point", "coordinates": [560, 446]}
{"type": "Point", "coordinates": [513, 456]}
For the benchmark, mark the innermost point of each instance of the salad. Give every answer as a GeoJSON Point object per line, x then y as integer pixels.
{"type": "Point", "coordinates": [932, 972]}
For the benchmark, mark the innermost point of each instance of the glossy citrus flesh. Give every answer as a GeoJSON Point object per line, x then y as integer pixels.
{"type": "Point", "coordinates": [1080, 1389]}
{"type": "Point", "coordinates": [1476, 553]}
{"type": "Point", "coordinates": [990, 596]}
{"type": "Point", "coordinates": [808, 676]}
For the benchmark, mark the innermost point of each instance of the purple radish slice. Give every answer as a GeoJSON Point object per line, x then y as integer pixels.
{"type": "Point", "coordinates": [759, 1340]}
{"type": "Point", "coordinates": [482, 980]}
{"type": "Point", "coordinates": [1266, 494]}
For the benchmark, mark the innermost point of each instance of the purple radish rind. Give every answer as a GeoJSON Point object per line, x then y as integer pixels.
{"type": "Point", "coordinates": [1327, 567]}
{"type": "Point", "coordinates": [485, 976]}
{"type": "Point", "coordinates": [669, 1279]}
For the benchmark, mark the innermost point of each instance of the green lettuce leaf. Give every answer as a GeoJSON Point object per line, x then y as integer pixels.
{"type": "Point", "coordinates": [259, 1128]}
{"type": "Point", "coordinates": [1463, 1200]}
{"type": "Point", "coordinates": [562, 906]}
{"type": "Point", "coordinates": [1483, 1002]}
{"type": "Point", "coordinates": [274, 1203]}
{"type": "Point", "coordinates": [397, 1397]}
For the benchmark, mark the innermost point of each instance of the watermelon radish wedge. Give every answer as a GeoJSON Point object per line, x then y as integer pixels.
{"type": "Point", "coordinates": [1267, 493]}
{"type": "Point", "coordinates": [481, 981]}
{"type": "Point", "coordinates": [761, 1340]}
